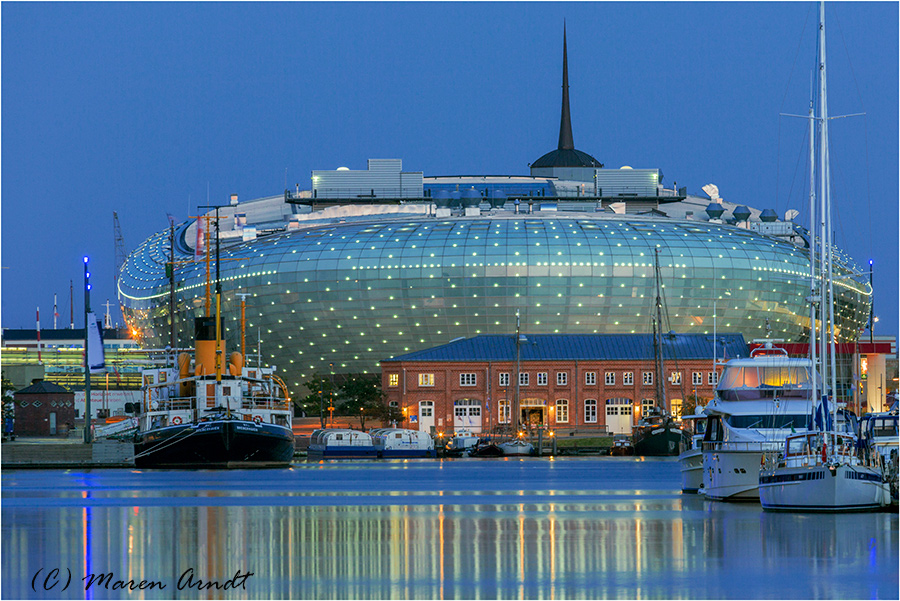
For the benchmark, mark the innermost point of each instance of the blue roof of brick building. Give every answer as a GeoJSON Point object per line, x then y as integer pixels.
{"type": "Point", "coordinates": [559, 347]}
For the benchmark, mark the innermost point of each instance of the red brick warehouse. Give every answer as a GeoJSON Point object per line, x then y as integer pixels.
{"type": "Point", "coordinates": [594, 381]}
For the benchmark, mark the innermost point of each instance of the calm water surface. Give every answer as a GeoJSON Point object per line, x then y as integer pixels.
{"type": "Point", "coordinates": [570, 528]}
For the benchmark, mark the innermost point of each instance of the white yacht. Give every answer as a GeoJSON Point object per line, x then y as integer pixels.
{"type": "Point", "coordinates": [691, 457]}
{"type": "Point", "coordinates": [759, 402]}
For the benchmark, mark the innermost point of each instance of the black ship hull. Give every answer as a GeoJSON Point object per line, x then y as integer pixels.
{"type": "Point", "coordinates": [215, 444]}
{"type": "Point", "coordinates": [658, 440]}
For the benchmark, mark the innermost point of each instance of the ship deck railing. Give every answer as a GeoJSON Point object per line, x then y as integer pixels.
{"type": "Point", "coordinates": [749, 446]}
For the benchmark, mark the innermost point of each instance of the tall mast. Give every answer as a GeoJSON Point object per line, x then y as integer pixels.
{"type": "Point", "coordinates": [657, 342]}
{"type": "Point", "coordinates": [823, 241]}
{"type": "Point", "coordinates": [515, 413]}
{"type": "Point", "coordinates": [813, 356]}
{"type": "Point", "coordinates": [171, 270]}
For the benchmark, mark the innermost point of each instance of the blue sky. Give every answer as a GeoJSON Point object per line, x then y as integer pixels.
{"type": "Point", "coordinates": [144, 109]}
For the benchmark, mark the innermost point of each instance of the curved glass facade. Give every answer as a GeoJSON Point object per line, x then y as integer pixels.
{"type": "Point", "coordinates": [351, 294]}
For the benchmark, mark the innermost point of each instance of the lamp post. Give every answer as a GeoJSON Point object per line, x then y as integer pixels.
{"type": "Point", "coordinates": [87, 361]}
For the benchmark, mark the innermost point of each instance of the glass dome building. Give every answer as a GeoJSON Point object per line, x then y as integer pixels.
{"type": "Point", "coordinates": [339, 290]}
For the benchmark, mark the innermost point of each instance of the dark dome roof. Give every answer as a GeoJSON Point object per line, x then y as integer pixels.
{"type": "Point", "coordinates": [566, 157]}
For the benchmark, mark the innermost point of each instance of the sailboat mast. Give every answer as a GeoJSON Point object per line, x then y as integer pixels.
{"type": "Point", "coordinates": [823, 240]}
{"type": "Point", "coordinates": [657, 342]}
{"type": "Point", "coordinates": [827, 266]}
{"type": "Point", "coordinates": [813, 355]}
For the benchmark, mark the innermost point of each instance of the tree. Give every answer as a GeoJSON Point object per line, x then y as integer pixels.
{"type": "Point", "coordinates": [362, 397]}
{"type": "Point", "coordinates": [689, 404]}
{"type": "Point", "coordinates": [320, 398]}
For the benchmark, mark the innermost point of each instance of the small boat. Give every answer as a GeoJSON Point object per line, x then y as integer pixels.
{"type": "Point", "coordinates": [622, 446]}
{"type": "Point", "coordinates": [691, 457]}
{"type": "Point", "coordinates": [485, 447]}
{"type": "Point", "coordinates": [878, 433]}
{"type": "Point", "coordinates": [461, 443]}
{"type": "Point", "coordinates": [516, 448]}
{"type": "Point", "coordinates": [339, 443]}
{"type": "Point", "coordinates": [400, 442]}
{"type": "Point", "coordinates": [196, 416]}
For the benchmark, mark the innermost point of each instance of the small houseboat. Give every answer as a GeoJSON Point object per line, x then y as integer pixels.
{"type": "Point", "coordinates": [338, 443]}
{"type": "Point", "coordinates": [401, 442]}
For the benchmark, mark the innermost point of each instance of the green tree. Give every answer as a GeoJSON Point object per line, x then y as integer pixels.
{"type": "Point", "coordinates": [320, 398]}
{"type": "Point", "coordinates": [362, 397]}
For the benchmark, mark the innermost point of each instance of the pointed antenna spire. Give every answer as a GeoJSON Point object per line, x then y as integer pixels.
{"type": "Point", "coordinates": [565, 120]}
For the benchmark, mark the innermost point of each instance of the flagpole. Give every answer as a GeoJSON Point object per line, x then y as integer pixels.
{"type": "Point", "coordinates": [87, 361]}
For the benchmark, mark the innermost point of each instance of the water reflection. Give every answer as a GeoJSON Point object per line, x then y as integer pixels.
{"type": "Point", "coordinates": [587, 541]}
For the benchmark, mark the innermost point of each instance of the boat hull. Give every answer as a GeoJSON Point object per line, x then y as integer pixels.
{"type": "Point", "coordinates": [341, 452]}
{"type": "Point", "coordinates": [406, 453]}
{"type": "Point", "coordinates": [215, 444]}
{"type": "Point", "coordinates": [660, 441]}
{"type": "Point", "coordinates": [821, 488]}
{"type": "Point", "coordinates": [691, 463]}
{"type": "Point", "coordinates": [732, 475]}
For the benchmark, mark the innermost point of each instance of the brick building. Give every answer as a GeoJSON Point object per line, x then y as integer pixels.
{"type": "Point", "coordinates": [601, 382]}
{"type": "Point", "coordinates": [44, 409]}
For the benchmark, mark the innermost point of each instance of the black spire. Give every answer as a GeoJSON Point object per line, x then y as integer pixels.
{"type": "Point", "coordinates": [565, 120]}
{"type": "Point", "coordinates": [565, 155]}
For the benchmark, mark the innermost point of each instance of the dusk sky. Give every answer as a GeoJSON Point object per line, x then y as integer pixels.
{"type": "Point", "coordinates": [149, 109]}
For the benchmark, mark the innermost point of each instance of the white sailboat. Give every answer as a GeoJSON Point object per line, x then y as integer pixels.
{"type": "Point", "coordinates": [822, 470]}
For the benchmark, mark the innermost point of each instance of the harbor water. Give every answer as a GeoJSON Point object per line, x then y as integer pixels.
{"type": "Point", "coordinates": [530, 528]}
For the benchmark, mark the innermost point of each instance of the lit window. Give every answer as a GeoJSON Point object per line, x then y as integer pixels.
{"type": "Point", "coordinates": [393, 379]}
{"type": "Point", "coordinates": [646, 406]}
{"type": "Point", "coordinates": [648, 378]}
{"type": "Point", "coordinates": [426, 379]}
{"type": "Point", "coordinates": [610, 378]}
{"type": "Point", "coordinates": [628, 378]}
{"type": "Point", "coordinates": [675, 378]}
{"type": "Point", "coordinates": [542, 378]}
{"type": "Point", "coordinates": [562, 378]}
{"type": "Point", "coordinates": [697, 378]}
{"type": "Point", "coordinates": [590, 378]}
{"type": "Point", "coordinates": [562, 411]}
{"type": "Point", "coordinates": [467, 379]}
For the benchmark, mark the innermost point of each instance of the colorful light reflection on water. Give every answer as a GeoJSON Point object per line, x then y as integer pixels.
{"type": "Point", "coordinates": [573, 528]}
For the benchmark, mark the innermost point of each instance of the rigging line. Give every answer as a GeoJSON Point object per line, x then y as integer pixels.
{"type": "Point", "coordinates": [865, 127]}
{"type": "Point", "coordinates": [783, 100]}
{"type": "Point", "coordinates": [803, 148]}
